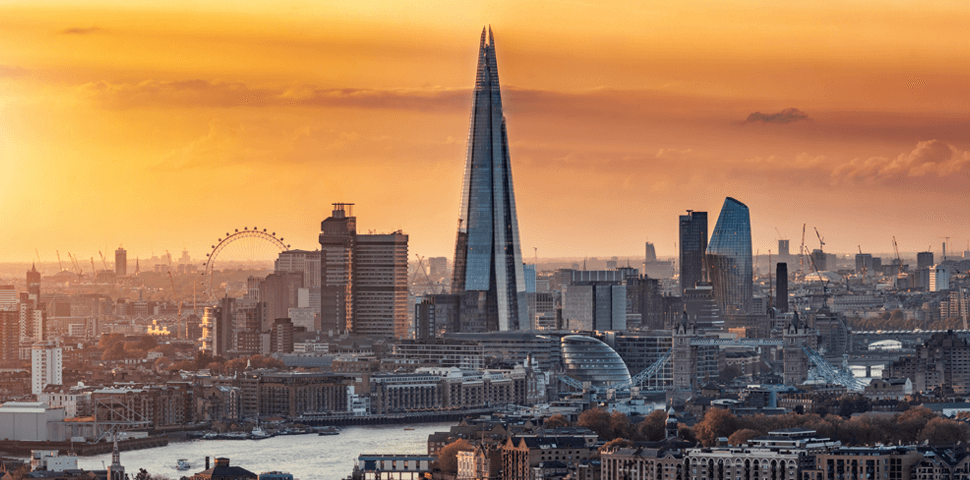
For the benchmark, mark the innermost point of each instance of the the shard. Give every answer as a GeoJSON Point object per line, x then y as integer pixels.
{"type": "Point", "coordinates": [488, 273]}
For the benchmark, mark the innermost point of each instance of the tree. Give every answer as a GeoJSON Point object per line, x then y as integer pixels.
{"type": "Point", "coordinates": [614, 444]}
{"type": "Point", "coordinates": [941, 431]}
{"type": "Point", "coordinates": [742, 436]}
{"type": "Point", "coordinates": [555, 421]}
{"type": "Point", "coordinates": [115, 351]}
{"type": "Point", "coordinates": [620, 426]}
{"type": "Point", "coordinates": [597, 420]}
{"type": "Point", "coordinates": [448, 456]}
{"type": "Point", "coordinates": [653, 428]}
{"type": "Point", "coordinates": [717, 422]}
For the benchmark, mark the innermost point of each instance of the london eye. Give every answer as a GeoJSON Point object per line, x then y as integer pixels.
{"type": "Point", "coordinates": [240, 249]}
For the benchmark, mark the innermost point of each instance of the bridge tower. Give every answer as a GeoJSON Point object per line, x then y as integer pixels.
{"type": "Point", "coordinates": [684, 359]}
{"type": "Point", "coordinates": [797, 335]}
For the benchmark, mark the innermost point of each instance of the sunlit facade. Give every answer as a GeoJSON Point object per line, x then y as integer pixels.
{"type": "Point", "coordinates": [729, 258]}
{"type": "Point", "coordinates": [590, 360]}
{"type": "Point", "coordinates": [488, 260]}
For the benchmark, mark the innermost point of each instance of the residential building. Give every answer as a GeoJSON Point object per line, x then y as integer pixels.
{"type": "Point", "coordinates": [46, 366]}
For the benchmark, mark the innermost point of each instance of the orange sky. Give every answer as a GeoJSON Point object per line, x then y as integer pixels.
{"type": "Point", "coordinates": [166, 125]}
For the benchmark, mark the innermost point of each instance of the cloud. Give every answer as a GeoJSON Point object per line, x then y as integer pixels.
{"type": "Point", "coordinates": [788, 115]}
{"type": "Point", "coordinates": [80, 30]}
{"type": "Point", "coordinates": [217, 94]}
{"type": "Point", "coordinates": [11, 71]}
{"type": "Point", "coordinates": [930, 159]}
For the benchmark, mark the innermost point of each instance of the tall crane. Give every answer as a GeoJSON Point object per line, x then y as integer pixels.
{"type": "Point", "coordinates": [93, 269]}
{"type": "Point", "coordinates": [77, 266]}
{"type": "Point", "coordinates": [103, 261]}
{"type": "Point", "coordinates": [821, 241]}
{"type": "Point", "coordinates": [59, 264]}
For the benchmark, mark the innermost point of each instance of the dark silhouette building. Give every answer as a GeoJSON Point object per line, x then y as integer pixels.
{"type": "Point", "coordinates": [488, 273]}
{"type": "Point", "coordinates": [781, 287]}
{"type": "Point", "coordinates": [924, 259]}
{"type": "Point", "coordinates": [693, 247]}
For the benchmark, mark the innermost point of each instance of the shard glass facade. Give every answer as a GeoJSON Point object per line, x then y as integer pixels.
{"type": "Point", "coordinates": [488, 260]}
{"type": "Point", "coordinates": [729, 258]}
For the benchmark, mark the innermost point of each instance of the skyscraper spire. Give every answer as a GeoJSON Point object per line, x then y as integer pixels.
{"type": "Point", "coordinates": [488, 259]}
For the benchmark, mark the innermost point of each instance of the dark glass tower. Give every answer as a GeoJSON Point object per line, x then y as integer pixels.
{"type": "Point", "coordinates": [693, 247]}
{"type": "Point", "coordinates": [488, 261]}
{"type": "Point", "coordinates": [729, 258]}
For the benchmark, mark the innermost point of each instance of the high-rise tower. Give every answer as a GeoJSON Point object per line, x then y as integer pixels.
{"type": "Point", "coordinates": [693, 246]}
{"type": "Point", "coordinates": [121, 262]}
{"type": "Point", "coordinates": [729, 258]}
{"type": "Point", "coordinates": [488, 260]}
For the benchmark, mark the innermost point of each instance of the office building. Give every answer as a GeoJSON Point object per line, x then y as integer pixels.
{"type": "Point", "coordinates": [820, 260]}
{"type": "Point", "coordinates": [121, 262]}
{"type": "Point", "coordinates": [651, 253]}
{"type": "Point", "coordinates": [9, 335]}
{"type": "Point", "coordinates": [589, 360]}
{"type": "Point", "coordinates": [863, 264]}
{"type": "Point", "coordinates": [924, 259]}
{"type": "Point", "coordinates": [217, 327]}
{"type": "Point", "coordinates": [783, 252]}
{"type": "Point", "coordinates": [488, 260]}
{"type": "Point", "coordinates": [729, 258]}
{"type": "Point", "coordinates": [781, 287]}
{"type": "Point", "coordinates": [46, 366]}
{"type": "Point", "coordinates": [702, 308]}
{"type": "Point", "coordinates": [437, 267]}
{"type": "Point", "coordinates": [279, 292]}
{"type": "Point", "coordinates": [302, 261]}
{"type": "Point", "coordinates": [363, 278]}
{"type": "Point", "coordinates": [693, 247]}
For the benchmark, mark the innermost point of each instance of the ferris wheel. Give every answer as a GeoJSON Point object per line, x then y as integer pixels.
{"type": "Point", "coordinates": [246, 246]}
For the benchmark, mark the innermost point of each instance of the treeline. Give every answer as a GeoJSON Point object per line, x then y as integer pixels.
{"type": "Point", "coordinates": [910, 427]}
{"type": "Point", "coordinates": [896, 320]}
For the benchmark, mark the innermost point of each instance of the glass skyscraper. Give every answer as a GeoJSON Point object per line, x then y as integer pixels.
{"type": "Point", "coordinates": [729, 258]}
{"type": "Point", "coordinates": [488, 271]}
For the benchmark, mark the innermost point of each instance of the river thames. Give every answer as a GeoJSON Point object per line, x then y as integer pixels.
{"type": "Point", "coordinates": [305, 456]}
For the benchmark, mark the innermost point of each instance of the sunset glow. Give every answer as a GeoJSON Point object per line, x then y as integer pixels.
{"type": "Point", "coordinates": [163, 125]}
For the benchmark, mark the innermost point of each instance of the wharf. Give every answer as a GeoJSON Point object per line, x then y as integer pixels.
{"type": "Point", "coordinates": [412, 417]}
{"type": "Point", "coordinates": [82, 449]}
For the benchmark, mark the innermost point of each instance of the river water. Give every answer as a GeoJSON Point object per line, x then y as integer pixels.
{"type": "Point", "coordinates": [305, 456]}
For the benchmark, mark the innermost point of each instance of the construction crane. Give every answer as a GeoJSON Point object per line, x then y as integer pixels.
{"type": "Point", "coordinates": [103, 261]}
{"type": "Point", "coordinates": [821, 242]}
{"type": "Point", "coordinates": [59, 264]}
{"type": "Point", "coordinates": [899, 261]}
{"type": "Point", "coordinates": [77, 266]}
{"type": "Point", "coordinates": [825, 289]}
{"type": "Point", "coordinates": [38, 255]}
{"type": "Point", "coordinates": [94, 270]}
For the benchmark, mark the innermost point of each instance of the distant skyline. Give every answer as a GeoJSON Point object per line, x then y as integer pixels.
{"type": "Point", "coordinates": [164, 125]}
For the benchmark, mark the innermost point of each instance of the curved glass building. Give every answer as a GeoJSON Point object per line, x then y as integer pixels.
{"type": "Point", "coordinates": [590, 360]}
{"type": "Point", "coordinates": [729, 258]}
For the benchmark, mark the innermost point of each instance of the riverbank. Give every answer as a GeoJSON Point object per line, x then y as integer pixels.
{"type": "Point", "coordinates": [16, 448]}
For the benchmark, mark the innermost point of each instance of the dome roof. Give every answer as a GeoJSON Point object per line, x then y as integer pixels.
{"type": "Point", "coordinates": [590, 360]}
